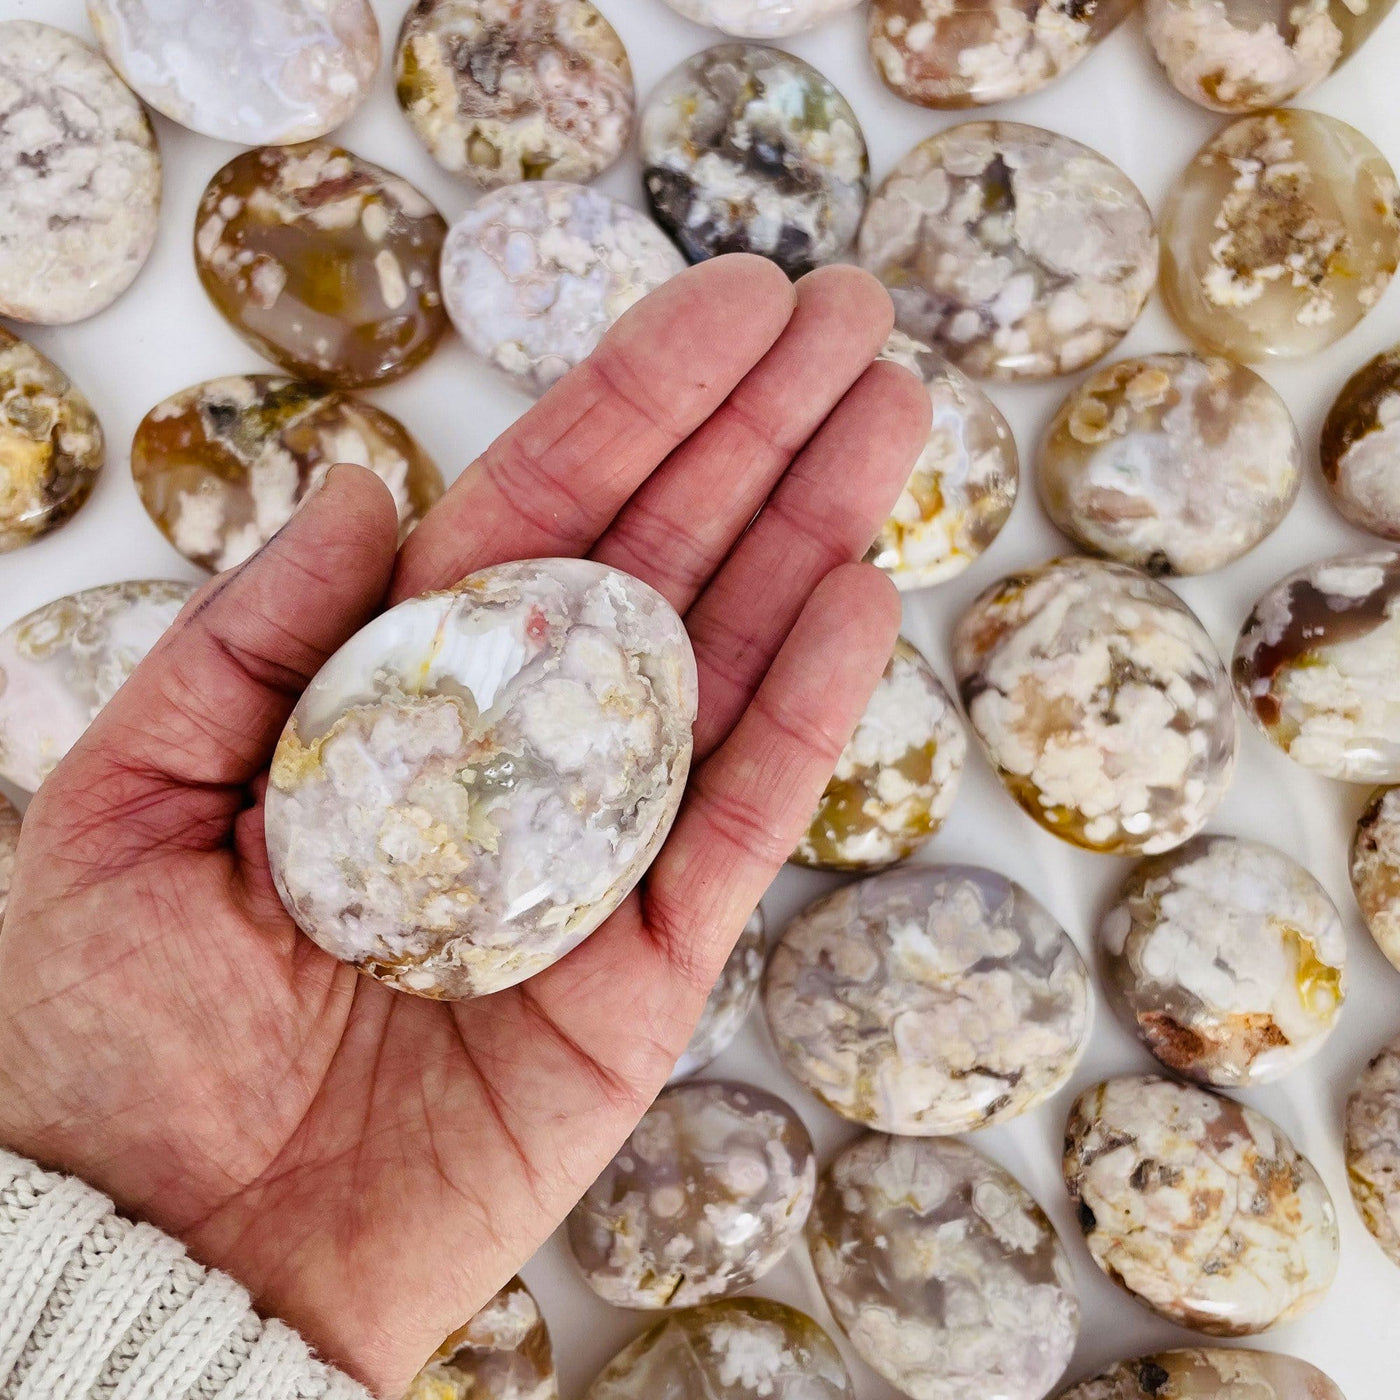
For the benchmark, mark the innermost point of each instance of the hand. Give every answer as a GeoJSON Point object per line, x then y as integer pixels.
{"type": "Point", "coordinates": [372, 1166]}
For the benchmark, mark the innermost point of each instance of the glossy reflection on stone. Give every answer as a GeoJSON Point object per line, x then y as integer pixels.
{"type": "Point", "coordinates": [1176, 463]}
{"type": "Point", "coordinates": [761, 19]}
{"type": "Point", "coordinates": [60, 664]}
{"type": "Point", "coordinates": [508, 90]}
{"type": "Point", "coordinates": [1208, 1373]}
{"type": "Point", "coordinates": [1375, 869]}
{"type": "Point", "coordinates": [222, 466]}
{"type": "Point", "coordinates": [941, 1269]}
{"type": "Point", "coordinates": [729, 1003]}
{"type": "Point", "coordinates": [1373, 1148]}
{"type": "Point", "coordinates": [1101, 702]}
{"type": "Point", "coordinates": [323, 262]}
{"type": "Point", "coordinates": [747, 149]}
{"type": "Point", "coordinates": [475, 780]}
{"type": "Point", "coordinates": [1014, 251]}
{"type": "Point", "coordinates": [1279, 236]}
{"type": "Point", "coordinates": [1198, 1206]}
{"type": "Point", "coordinates": [930, 1000]}
{"type": "Point", "coordinates": [1360, 447]}
{"type": "Point", "coordinates": [9, 843]}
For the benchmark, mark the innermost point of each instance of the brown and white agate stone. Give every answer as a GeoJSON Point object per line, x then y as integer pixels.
{"type": "Point", "coordinates": [9, 844]}
{"type": "Point", "coordinates": [1373, 1148]}
{"type": "Point", "coordinates": [761, 19]}
{"type": "Point", "coordinates": [1375, 869]}
{"type": "Point", "coordinates": [1360, 447]}
{"type": "Point", "coordinates": [1208, 1373]}
{"type": "Point", "coordinates": [729, 1003]}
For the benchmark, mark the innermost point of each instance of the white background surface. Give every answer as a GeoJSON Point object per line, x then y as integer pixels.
{"type": "Point", "coordinates": [163, 335]}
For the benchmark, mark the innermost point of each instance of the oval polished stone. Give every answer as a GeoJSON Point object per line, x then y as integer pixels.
{"type": "Point", "coordinates": [222, 466]}
{"type": "Point", "coordinates": [1227, 958]}
{"type": "Point", "coordinates": [729, 1003]}
{"type": "Point", "coordinates": [1208, 1373]}
{"type": "Point", "coordinates": [1360, 447]}
{"type": "Point", "coordinates": [1199, 1207]}
{"type": "Point", "coordinates": [1315, 664]}
{"type": "Point", "coordinates": [51, 446]}
{"type": "Point", "coordinates": [705, 1197]}
{"type": "Point", "coordinates": [1176, 463]}
{"type": "Point", "coordinates": [507, 90]}
{"type": "Point", "coordinates": [761, 19]}
{"type": "Point", "coordinates": [266, 74]}
{"type": "Point", "coordinates": [478, 777]}
{"type": "Point", "coordinates": [1279, 236]}
{"type": "Point", "coordinates": [929, 1000]}
{"type": "Point", "coordinates": [1373, 1148]}
{"type": "Point", "coordinates": [60, 664]}
{"type": "Point", "coordinates": [1100, 701]}
{"type": "Point", "coordinates": [9, 843]}
{"type": "Point", "coordinates": [941, 1269]}
{"type": "Point", "coordinates": [1014, 251]}
{"type": "Point", "coordinates": [323, 262]}
{"type": "Point", "coordinates": [1375, 869]}
{"type": "Point", "coordinates": [79, 178]}
{"type": "Point", "coordinates": [747, 149]}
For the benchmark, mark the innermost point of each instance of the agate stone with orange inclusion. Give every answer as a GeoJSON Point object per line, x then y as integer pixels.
{"type": "Point", "coordinates": [1360, 447]}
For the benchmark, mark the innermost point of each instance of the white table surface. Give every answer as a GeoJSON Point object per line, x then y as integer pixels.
{"type": "Point", "coordinates": [164, 334]}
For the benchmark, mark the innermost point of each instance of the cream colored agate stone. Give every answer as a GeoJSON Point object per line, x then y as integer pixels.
{"type": "Point", "coordinates": [1279, 236]}
{"type": "Point", "coordinates": [60, 664]}
{"type": "Point", "coordinates": [947, 1277]}
{"type": "Point", "coordinates": [478, 777]}
{"type": "Point", "coordinates": [9, 844]}
{"type": "Point", "coordinates": [509, 90]}
{"type": "Point", "coordinates": [79, 178]}
{"type": "Point", "coordinates": [268, 73]}
{"type": "Point", "coordinates": [1360, 447]}
{"type": "Point", "coordinates": [1175, 463]}
{"type": "Point", "coordinates": [963, 486]}
{"type": "Point", "coordinates": [706, 1196]}
{"type": "Point", "coordinates": [1373, 1148]}
{"type": "Point", "coordinates": [1208, 1373]}
{"type": "Point", "coordinates": [729, 1003]}
{"type": "Point", "coordinates": [1100, 701]}
{"type": "Point", "coordinates": [1375, 869]}
{"type": "Point", "coordinates": [761, 19]}
{"type": "Point", "coordinates": [1227, 958]}
{"type": "Point", "coordinates": [1012, 250]}
{"type": "Point", "coordinates": [1199, 1207]}
{"type": "Point", "coordinates": [533, 276]}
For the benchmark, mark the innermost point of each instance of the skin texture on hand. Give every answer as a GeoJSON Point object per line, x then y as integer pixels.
{"type": "Point", "coordinates": [370, 1165]}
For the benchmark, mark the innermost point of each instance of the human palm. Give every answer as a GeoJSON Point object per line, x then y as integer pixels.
{"type": "Point", "coordinates": [373, 1166]}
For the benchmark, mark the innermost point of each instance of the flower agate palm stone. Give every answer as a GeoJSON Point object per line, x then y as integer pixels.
{"type": "Point", "coordinates": [947, 1277]}
{"type": "Point", "coordinates": [1373, 1148]}
{"type": "Point", "coordinates": [323, 262]}
{"type": "Point", "coordinates": [1279, 236]}
{"type": "Point", "coordinates": [1208, 1373]}
{"type": "Point", "coordinates": [9, 844]}
{"type": "Point", "coordinates": [706, 1196]}
{"type": "Point", "coordinates": [1177, 464]}
{"type": "Point", "coordinates": [729, 1003]}
{"type": "Point", "coordinates": [1199, 1207]}
{"type": "Point", "coordinates": [1101, 702]}
{"type": "Point", "coordinates": [1360, 447]}
{"type": "Point", "coordinates": [1375, 869]}
{"type": "Point", "coordinates": [761, 19]}
{"type": "Point", "coordinates": [222, 466]}
{"type": "Point", "coordinates": [477, 779]}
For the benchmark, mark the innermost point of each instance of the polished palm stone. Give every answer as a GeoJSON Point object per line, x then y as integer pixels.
{"type": "Point", "coordinates": [747, 149]}
{"type": "Point", "coordinates": [729, 1003]}
{"type": "Point", "coordinates": [1373, 1148]}
{"type": "Point", "coordinates": [761, 19]}
{"type": "Point", "coordinates": [60, 664]}
{"type": "Point", "coordinates": [323, 262]}
{"type": "Point", "coordinates": [51, 447]}
{"type": "Point", "coordinates": [221, 466]}
{"type": "Point", "coordinates": [477, 779]}
{"type": "Point", "coordinates": [79, 178]}
{"type": "Point", "coordinates": [1012, 250]}
{"type": "Point", "coordinates": [942, 1270]}
{"type": "Point", "coordinates": [1101, 702]}
{"type": "Point", "coordinates": [268, 73]}
{"type": "Point", "coordinates": [1199, 1207]}
{"type": "Point", "coordinates": [508, 90]}
{"type": "Point", "coordinates": [9, 843]}
{"type": "Point", "coordinates": [706, 1196]}
{"type": "Point", "coordinates": [1177, 464]}
{"type": "Point", "coordinates": [1208, 1373]}
{"type": "Point", "coordinates": [1279, 236]}
{"type": "Point", "coordinates": [1375, 869]}
{"type": "Point", "coordinates": [1360, 447]}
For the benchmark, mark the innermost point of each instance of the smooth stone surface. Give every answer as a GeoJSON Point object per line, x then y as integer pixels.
{"type": "Point", "coordinates": [729, 1003]}
{"type": "Point", "coordinates": [268, 73]}
{"type": "Point", "coordinates": [941, 1269]}
{"type": "Point", "coordinates": [1101, 703]}
{"type": "Point", "coordinates": [963, 486]}
{"type": "Point", "coordinates": [9, 842]}
{"type": "Point", "coordinates": [1375, 869]}
{"type": "Point", "coordinates": [1279, 236]}
{"type": "Point", "coordinates": [51, 446]}
{"type": "Point", "coordinates": [79, 178]}
{"type": "Point", "coordinates": [323, 262]}
{"type": "Point", "coordinates": [761, 19]}
{"type": "Point", "coordinates": [1199, 1207]}
{"type": "Point", "coordinates": [475, 780]}
{"type": "Point", "coordinates": [223, 465]}
{"type": "Point", "coordinates": [1014, 251]}
{"type": "Point", "coordinates": [60, 664]}
{"type": "Point", "coordinates": [747, 149]}
{"type": "Point", "coordinates": [1315, 666]}
{"type": "Point", "coordinates": [1208, 1373]}
{"type": "Point", "coordinates": [1360, 447]}
{"type": "Point", "coordinates": [1227, 958]}
{"type": "Point", "coordinates": [929, 1000]}
{"type": "Point", "coordinates": [508, 90]}
{"type": "Point", "coordinates": [1175, 463]}
{"type": "Point", "coordinates": [1373, 1148]}
{"type": "Point", "coordinates": [705, 1197]}
{"type": "Point", "coordinates": [534, 276]}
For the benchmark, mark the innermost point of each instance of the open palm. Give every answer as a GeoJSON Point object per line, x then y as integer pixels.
{"type": "Point", "coordinates": [373, 1166]}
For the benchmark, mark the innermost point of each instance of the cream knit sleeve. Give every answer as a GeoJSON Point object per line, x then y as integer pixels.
{"type": "Point", "coordinates": [94, 1307]}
